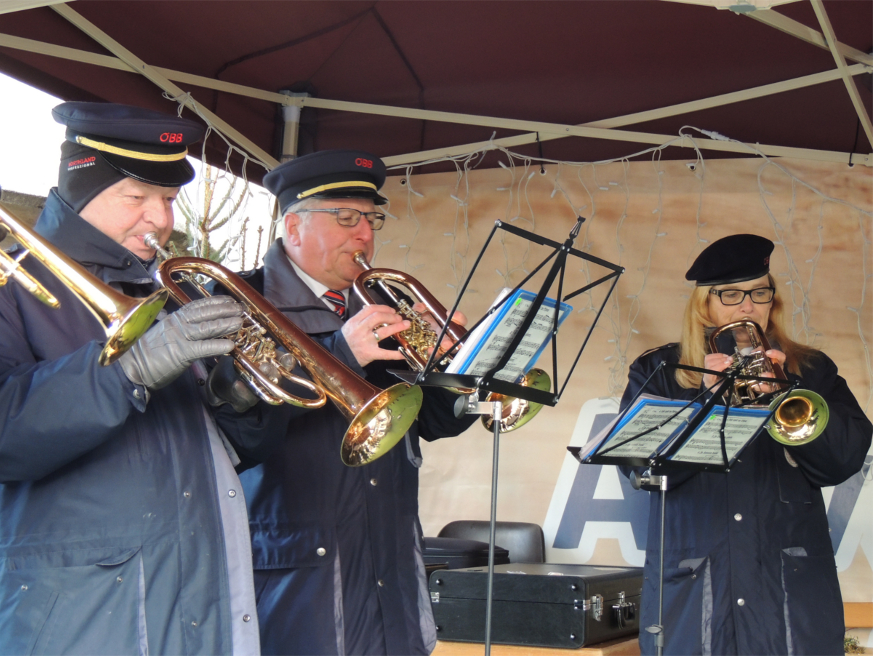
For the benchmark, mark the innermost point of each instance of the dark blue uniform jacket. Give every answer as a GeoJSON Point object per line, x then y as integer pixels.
{"type": "Point", "coordinates": [110, 534]}
{"type": "Point", "coordinates": [337, 550]}
{"type": "Point", "coordinates": [749, 567]}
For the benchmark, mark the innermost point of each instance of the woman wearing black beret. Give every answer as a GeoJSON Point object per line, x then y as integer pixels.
{"type": "Point", "coordinates": [748, 561]}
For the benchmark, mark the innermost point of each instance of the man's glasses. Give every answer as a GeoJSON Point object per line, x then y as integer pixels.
{"type": "Point", "coordinates": [349, 218]}
{"type": "Point", "coordinates": [736, 296]}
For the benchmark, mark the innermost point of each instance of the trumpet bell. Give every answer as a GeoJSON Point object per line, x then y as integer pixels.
{"type": "Point", "coordinates": [416, 342]}
{"type": "Point", "coordinates": [380, 424]}
{"type": "Point", "coordinates": [800, 417]}
{"type": "Point", "coordinates": [517, 412]}
{"type": "Point", "coordinates": [124, 318]}
{"type": "Point", "coordinates": [123, 330]}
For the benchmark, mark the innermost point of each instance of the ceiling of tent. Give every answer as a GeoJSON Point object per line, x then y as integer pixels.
{"type": "Point", "coordinates": [457, 73]}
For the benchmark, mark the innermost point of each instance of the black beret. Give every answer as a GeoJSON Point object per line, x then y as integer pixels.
{"type": "Point", "coordinates": [328, 174]}
{"type": "Point", "coordinates": [732, 259]}
{"type": "Point", "coordinates": [140, 143]}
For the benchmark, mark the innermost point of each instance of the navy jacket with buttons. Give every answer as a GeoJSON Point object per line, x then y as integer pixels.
{"type": "Point", "coordinates": [748, 566]}
{"type": "Point", "coordinates": [110, 532]}
{"type": "Point", "coordinates": [337, 550]}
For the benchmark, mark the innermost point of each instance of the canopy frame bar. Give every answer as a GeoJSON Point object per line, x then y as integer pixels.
{"type": "Point", "coordinates": [828, 31]}
{"type": "Point", "coordinates": [139, 66]}
{"type": "Point", "coordinates": [790, 26]}
{"type": "Point", "coordinates": [601, 129]}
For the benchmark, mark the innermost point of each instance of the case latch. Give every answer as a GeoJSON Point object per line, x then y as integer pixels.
{"type": "Point", "coordinates": [624, 611]}
{"type": "Point", "coordinates": [595, 605]}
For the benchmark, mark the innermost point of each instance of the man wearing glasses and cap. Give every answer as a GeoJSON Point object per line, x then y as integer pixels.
{"type": "Point", "coordinates": [338, 550]}
{"type": "Point", "coordinates": [748, 561]}
{"type": "Point", "coordinates": [123, 528]}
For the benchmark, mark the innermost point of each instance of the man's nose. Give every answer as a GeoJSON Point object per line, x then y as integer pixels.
{"type": "Point", "coordinates": [158, 213]}
{"type": "Point", "coordinates": [363, 230]}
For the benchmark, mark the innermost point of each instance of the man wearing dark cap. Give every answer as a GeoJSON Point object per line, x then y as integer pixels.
{"type": "Point", "coordinates": [338, 550]}
{"type": "Point", "coordinates": [122, 524]}
{"type": "Point", "coordinates": [748, 562]}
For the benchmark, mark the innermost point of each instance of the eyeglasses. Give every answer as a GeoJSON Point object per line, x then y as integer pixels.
{"type": "Point", "coordinates": [760, 296]}
{"type": "Point", "coordinates": [349, 218]}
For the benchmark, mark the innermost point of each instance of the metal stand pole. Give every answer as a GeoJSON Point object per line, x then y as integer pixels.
{"type": "Point", "coordinates": [659, 637]}
{"type": "Point", "coordinates": [661, 481]}
{"type": "Point", "coordinates": [497, 414]}
{"type": "Point", "coordinates": [471, 405]}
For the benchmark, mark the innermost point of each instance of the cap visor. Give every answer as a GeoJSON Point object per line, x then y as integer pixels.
{"type": "Point", "coordinates": [162, 174]}
{"type": "Point", "coordinates": [352, 192]}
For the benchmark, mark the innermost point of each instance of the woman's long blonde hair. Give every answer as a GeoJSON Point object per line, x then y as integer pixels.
{"type": "Point", "coordinates": [693, 346]}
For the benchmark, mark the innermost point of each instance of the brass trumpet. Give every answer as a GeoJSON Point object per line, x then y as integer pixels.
{"type": "Point", "coordinates": [125, 319]}
{"type": "Point", "coordinates": [800, 415]}
{"type": "Point", "coordinates": [378, 418]}
{"type": "Point", "coordinates": [419, 338]}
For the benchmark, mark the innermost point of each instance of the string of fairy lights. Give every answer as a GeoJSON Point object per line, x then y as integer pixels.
{"type": "Point", "coordinates": [620, 321]}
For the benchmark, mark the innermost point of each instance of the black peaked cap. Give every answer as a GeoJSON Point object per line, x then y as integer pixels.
{"type": "Point", "coordinates": [328, 174]}
{"type": "Point", "coordinates": [142, 144]}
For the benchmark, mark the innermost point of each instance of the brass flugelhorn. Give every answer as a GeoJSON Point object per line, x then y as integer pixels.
{"type": "Point", "coordinates": [419, 338]}
{"type": "Point", "coordinates": [800, 415]}
{"type": "Point", "coordinates": [378, 419]}
{"type": "Point", "coordinates": [124, 319]}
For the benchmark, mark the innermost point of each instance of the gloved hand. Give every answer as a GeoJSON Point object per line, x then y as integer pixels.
{"type": "Point", "coordinates": [224, 385]}
{"type": "Point", "coordinates": [170, 346]}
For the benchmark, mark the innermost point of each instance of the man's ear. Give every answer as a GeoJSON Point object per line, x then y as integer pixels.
{"type": "Point", "coordinates": [292, 232]}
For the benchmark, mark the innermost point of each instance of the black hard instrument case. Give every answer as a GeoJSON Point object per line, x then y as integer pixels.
{"type": "Point", "coordinates": [541, 605]}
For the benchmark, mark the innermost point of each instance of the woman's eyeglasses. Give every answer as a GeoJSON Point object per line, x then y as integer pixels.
{"type": "Point", "coordinates": [761, 295]}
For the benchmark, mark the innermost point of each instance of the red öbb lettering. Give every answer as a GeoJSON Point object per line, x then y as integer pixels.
{"type": "Point", "coordinates": [171, 137]}
{"type": "Point", "coordinates": [366, 163]}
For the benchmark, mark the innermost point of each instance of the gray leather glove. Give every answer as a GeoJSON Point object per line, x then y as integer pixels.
{"type": "Point", "coordinates": [171, 345]}
{"type": "Point", "coordinates": [224, 385]}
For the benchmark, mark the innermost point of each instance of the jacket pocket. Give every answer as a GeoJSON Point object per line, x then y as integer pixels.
{"type": "Point", "coordinates": [687, 608]}
{"type": "Point", "coordinates": [793, 486]}
{"type": "Point", "coordinates": [287, 547]}
{"type": "Point", "coordinates": [23, 612]}
{"type": "Point", "coordinates": [812, 604]}
{"type": "Point", "coordinates": [84, 609]}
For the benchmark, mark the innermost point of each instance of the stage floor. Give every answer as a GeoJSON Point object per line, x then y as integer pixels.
{"type": "Point", "coordinates": [622, 647]}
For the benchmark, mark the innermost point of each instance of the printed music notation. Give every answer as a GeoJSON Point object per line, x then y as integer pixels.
{"type": "Point", "coordinates": [488, 342]}
{"type": "Point", "coordinates": [656, 428]}
{"type": "Point", "coordinates": [704, 445]}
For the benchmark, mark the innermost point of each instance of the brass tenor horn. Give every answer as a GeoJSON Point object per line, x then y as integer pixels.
{"type": "Point", "coordinates": [378, 418]}
{"type": "Point", "coordinates": [799, 416]}
{"type": "Point", "coordinates": [125, 319]}
{"type": "Point", "coordinates": [419, 338]}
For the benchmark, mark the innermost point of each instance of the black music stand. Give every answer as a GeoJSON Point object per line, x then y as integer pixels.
{"type": "Point", "coordinates": [673, 426]}
{"type": "Point", "coordinates": [488, 382]}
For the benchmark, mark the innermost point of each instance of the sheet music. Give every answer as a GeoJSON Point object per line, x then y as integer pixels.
{"type": "Point", "coordinates": [704, 445]}
{"type": "Point", "coordinates": [487, 344]}
{"type": "Point", "coordinates": [647, 414]}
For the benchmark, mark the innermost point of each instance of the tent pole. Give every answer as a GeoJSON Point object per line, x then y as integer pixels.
{"type": "Point", "coordinates": [291, 130]}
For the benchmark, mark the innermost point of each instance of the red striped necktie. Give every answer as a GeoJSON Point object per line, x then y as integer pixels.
{"type": "Point", "coordinates": [338, 301]}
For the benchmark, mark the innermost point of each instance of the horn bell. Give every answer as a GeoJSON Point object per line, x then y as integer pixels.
{"type": "Point", "coordinates": [800, 417]}
{"type": "Point", "coordinates": [124, 318]}
{"type": "Point", "coordinates": [378, 419]}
